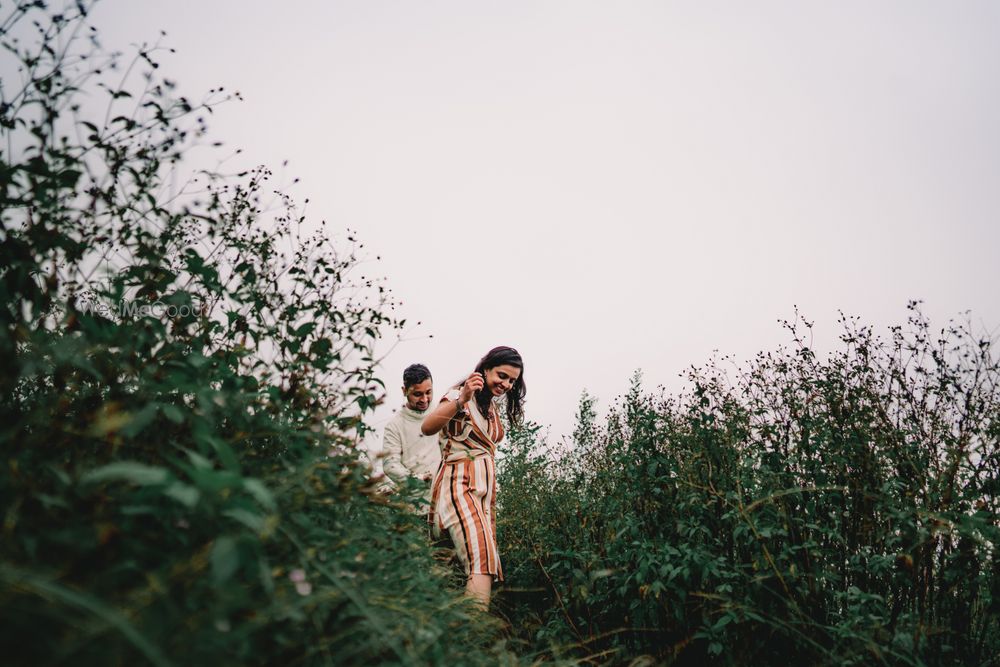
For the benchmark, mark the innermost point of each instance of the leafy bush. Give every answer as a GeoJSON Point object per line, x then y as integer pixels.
{"type": "Point", "coordinates": [185, 375]}
{"type": "Point", "coordinates": [805, 511]}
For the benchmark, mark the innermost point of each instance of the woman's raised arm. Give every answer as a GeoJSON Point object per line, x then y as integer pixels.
{"type": "Point", "coordinates": [448, 408]}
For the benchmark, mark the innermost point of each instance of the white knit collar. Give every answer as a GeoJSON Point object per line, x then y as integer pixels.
{"type": "Point", "coordinates": [410, 413]}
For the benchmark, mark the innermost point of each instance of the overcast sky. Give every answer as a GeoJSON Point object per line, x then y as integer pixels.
{"type": "Point", "coordinates": [618, 185]}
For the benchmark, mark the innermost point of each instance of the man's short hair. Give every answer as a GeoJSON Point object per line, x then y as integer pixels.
{"type": "Point", "coordinates": [415, 374]}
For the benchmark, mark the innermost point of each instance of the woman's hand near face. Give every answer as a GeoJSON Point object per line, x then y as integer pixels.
{"type": "Point", "coordinates": [472, 384]}
{"type": "Point", "coordinates": [447, 409]}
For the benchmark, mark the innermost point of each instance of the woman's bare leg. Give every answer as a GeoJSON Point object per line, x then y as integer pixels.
{"type": "Point", "coordinates": [479, 587]}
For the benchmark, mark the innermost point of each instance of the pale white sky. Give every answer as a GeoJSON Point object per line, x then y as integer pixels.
{"type": "Point", "coordinates": [617, 185]}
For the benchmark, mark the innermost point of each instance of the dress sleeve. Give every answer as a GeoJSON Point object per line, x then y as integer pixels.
{"type": "Point", "coordinates": [459, 426]}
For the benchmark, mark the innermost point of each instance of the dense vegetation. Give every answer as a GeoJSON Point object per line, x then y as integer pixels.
{"type": "Point", "coordinates": [187, 370]}
{"type": "Point", "coordinates": [803, 511]}
{"type": "Point", "coordinates": [184, 373]}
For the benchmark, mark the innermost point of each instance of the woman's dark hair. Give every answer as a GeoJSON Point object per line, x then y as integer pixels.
{"type": "Point", "coordinates": [500, 356]}
{"type": "Point", "coordinates": [415, 374]}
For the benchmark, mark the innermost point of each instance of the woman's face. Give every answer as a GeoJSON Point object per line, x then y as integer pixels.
{"type": "Point", "coordinates": [500, 379]}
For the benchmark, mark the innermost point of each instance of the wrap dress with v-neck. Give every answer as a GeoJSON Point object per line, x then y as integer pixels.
{"type": "Point", "coordinates": [463, 496]}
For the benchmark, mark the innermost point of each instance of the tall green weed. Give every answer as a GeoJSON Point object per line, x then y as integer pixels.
{"type": "Point", "coordinates": [798, 510]}
{"type": "Point", "coordinates": [186, 370]}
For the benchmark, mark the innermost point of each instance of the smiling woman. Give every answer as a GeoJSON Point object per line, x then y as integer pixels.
{"type": "Point", "coordinates": [463, 499]}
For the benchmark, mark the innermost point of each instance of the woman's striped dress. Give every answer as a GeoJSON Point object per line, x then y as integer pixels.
{"type": "Point", "coordinates": [463, 497]}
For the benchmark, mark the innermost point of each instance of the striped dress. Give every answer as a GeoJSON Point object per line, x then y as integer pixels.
{"type": "Point", "coordinates": [463, 496]}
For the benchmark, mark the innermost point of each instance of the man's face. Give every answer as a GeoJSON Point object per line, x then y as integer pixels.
{"type": "Point", "coordinates": [418, 396]}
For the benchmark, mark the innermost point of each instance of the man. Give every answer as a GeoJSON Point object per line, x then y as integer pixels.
{"type": "Point", "coordinates": [408, 452]}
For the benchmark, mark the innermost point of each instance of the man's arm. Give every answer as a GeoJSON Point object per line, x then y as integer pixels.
{"type": "Point", "coordinates": [392, 450]}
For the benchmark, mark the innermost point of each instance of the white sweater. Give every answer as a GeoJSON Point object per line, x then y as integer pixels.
{"type": "Point", "coordinates": [408, 452]}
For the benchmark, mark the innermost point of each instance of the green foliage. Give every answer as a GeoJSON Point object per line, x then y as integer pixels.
{"type": "Point", "coordinates": [185, 375]}
{"type": "Point", "coordinates": [186, 371]}
{"type": "Point", "coordinates": [805, 511]}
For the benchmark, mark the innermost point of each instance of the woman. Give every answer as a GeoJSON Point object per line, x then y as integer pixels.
{"type": "Point", "coordinates": [463, 496]}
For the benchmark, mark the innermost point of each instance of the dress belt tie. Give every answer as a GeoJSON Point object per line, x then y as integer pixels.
{"type": "Point", "coordinates": [468, 455]}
